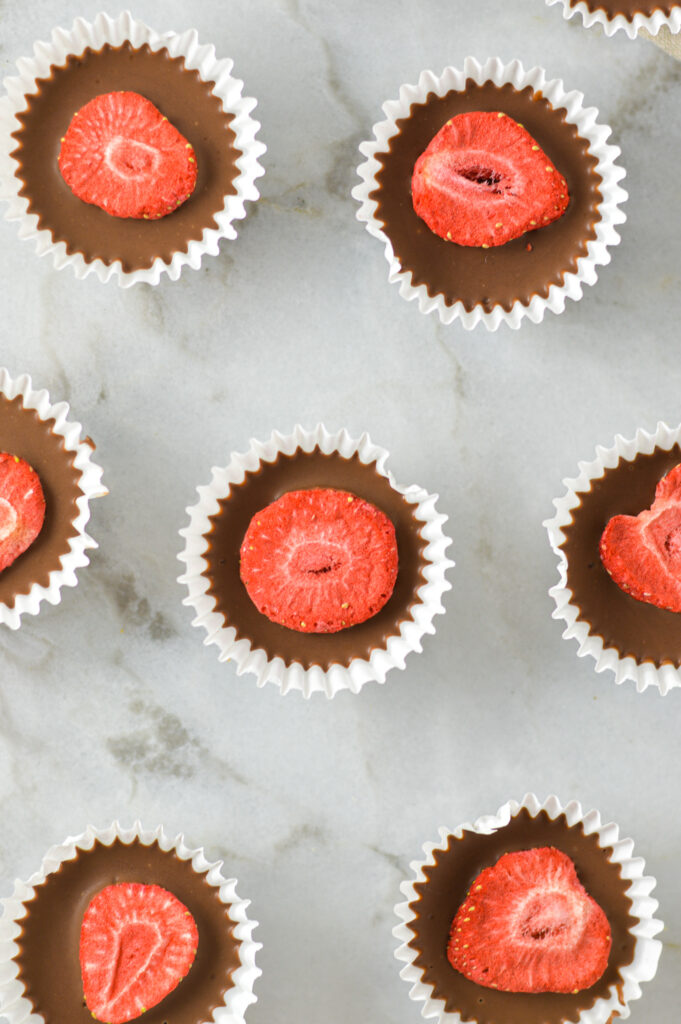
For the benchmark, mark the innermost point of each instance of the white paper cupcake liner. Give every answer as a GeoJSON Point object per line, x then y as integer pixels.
{"type": "Point", "coordinates": [585, 120]}
{"type": "Point", "coordinates": [645, 673]}
{"type": "Point", "coordinates": [295, 676]}
{"type": "Point", "coordinates": [647, 949]}
{"type": "Point", "coordinates": [17, 1009]}
{"type": "Point", "coordinates": [90, 483]}
{"type": "Point", "coordinates": [652, 23]}
{"type": "Point", "coordinates": [202, 58]}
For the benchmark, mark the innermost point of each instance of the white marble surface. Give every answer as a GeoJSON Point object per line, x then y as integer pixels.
{"type": "Point", "coordinates": [109, 704]}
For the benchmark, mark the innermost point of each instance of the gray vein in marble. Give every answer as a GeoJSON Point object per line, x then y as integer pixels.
{"type": "Point", "coordinates": [653, 79]}
{"type": "Point", "coordinates": [163, 746]}
{"type": "Point", "coordinates": [300, 835]}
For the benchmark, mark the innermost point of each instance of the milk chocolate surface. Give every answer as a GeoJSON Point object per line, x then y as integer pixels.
{"type": "Point", "coordinates": [501, 274]}
{"type": "Point", "coordinates": [182, 97]}
{"type": "Point", "coordinates": [297, 472]}
{"type": "Point", "coordinates": [632, 627]}
{"type": "Point", "coordinates": [48, 957]}
{"type": "Point", "coordinates": [628, 7]}
{"type": "Point", "coordinates": [23, 433]}
{"type": "Point", "coordinates": [447, 885]}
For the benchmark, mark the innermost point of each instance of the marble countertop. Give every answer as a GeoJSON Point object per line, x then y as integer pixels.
{"type": "Point", "coordinates": [110, 707]}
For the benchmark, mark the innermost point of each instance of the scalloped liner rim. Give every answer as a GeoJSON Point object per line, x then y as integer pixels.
{"type": "Point", "coordinates": [643, 674]}
{"type": "Point", "coordinates": [200, 57]}
{"type": "Point", "coordinates": [89, 481]}
{"type": "Point", "coordinates": [647, 949]}
{"type": "Point", "coordinates": [17, 1008]}
{"type": "Point", "coordinates": [584, 118]}
{"type": "Point", "coordinates": [295, 677]}
{"type": "Point", "coordinates": [652, 23]}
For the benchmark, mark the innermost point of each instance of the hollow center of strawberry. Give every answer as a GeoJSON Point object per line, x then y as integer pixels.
{"type": "Point", "coordinates": [673, 543]}
{"type": "Point", "coordinates": [316, 559]}
{"type": "Point", "coordinates": [130, 159]}
{"type": "Point", "coordinates": [665, 533]}
{"type": "Point", "coordinates": [481, 176]}
{"type": "Point", "coordinates": [546, 919]}
{"type": "Point", "coordinates": [8, 518]}
{"type": "Point", "coordinates": [137, 944]}
{"type": "Point", "coordinates": [454, 174]}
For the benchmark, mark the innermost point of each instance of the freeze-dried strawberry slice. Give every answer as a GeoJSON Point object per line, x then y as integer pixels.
{"type": "Point", "coordinates": [484, 180]}
{"type": "Point", "coordinates": [22, 507]}
{"type": "Point", "coordinates": [319, 560]}
{"type": "Point", "coordinates": [120, 153]}
{"type": "Point", "coordinates": [642, 553]}
{"type": "Point", "coordinates": [137, 942]}
{"type": "Point", "coordinates": [528, 925]}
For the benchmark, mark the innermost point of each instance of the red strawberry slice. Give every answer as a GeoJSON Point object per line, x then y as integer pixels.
{"type": "Point", "coordinates": [483, 180]}
{"type": "Point", "coordinates": [120, 153]}
{"type": "Point", "coordinates": [528, 925]}
{"type": "Point", "coordinates": [642, 553]}
{"type": "Point", "coordinates": [319, 560]}
{"type": "Point", "coordinates": [137, 942]}
{"type": "Point", "coordinates": [22, 507]}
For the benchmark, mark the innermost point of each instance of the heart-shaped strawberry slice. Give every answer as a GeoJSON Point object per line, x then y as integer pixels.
{"type": "Point", "coordinates": [528, 925]}
{"type": "Point", "coordinates": [137, 942]}
{"type": "Point", "coordinates": [484, 180]}
{"type": "Point", "coordinates": [642, 553]}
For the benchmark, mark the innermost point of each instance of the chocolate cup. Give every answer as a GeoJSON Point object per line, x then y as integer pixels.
{"type": "Point", "coordinates": [628, 8]}
{"type": "Point", "coordinates": [500, 275]}
{"type": "Point", "coordinates": [182, 96]}
{"type": "Point", "coordinates": [48, 956]}
{"type": "Point", "coordinates": [23, 433]}
{"type": "Point", "coordinates": [634, 628]}
{"type": "Point", "coordinates": [260, 488]}
{"type": "Point", "coordinates": [445, 889]}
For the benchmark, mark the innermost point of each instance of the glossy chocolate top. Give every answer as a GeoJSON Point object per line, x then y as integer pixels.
{"type": "Point", "coordinates": [447, 884]}
{"type": "Point", "coordinates": [182, 97]}
{"type": "Point", "coordinates": [629, 7]}
{"type": "Point", "coordinates": [23, 433]}
{"type": "Point", "coordinates": [48, 957]}
{"type": "Point", "coordinates": [501, 274]}
{"type": "Point", "coordinates": [298, 472]}
{"type": "Point", "coordinates": [632, 627]}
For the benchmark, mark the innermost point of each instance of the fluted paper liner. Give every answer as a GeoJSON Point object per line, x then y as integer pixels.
{"type": "Point", "coordinates": [643, 673]}
{"type": "Point", "coordinates": [66, 42]}
{"type": "Point", "coordinates": [295, 677]}
{"type": "Point", "coordinates": [90, 483]}
{"type": "Point", "coordinates": [652, 23]}
{"type": "Point", "coordinates": [17, 1009]}
{"type": "Point", "coordinates": [647, 949]}
{"type": "Point", "coordinates": [583, 117]}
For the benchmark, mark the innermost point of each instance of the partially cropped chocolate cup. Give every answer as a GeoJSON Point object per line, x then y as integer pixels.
{"type": "Point", "coordinates": [630, 16]}
{"type": "Point", "coordinates": [311, 662]}
{"type": "Point", "coordinates": [37, 431]}
{"type": "Point", "coordinates": [532, 273]}
{"type": "Point", "coordinates": [41, 925]}
{"type": "Point", "coordinates": [190, 87]}
{"type": "Point", "coordinates": [631, 637]}
{"type": "Point", "coordinates": [606, 869]}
